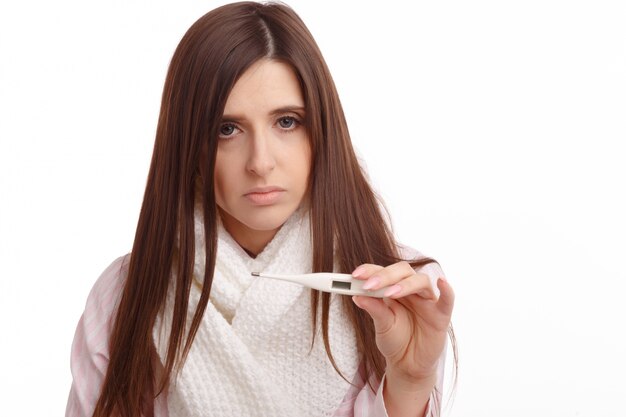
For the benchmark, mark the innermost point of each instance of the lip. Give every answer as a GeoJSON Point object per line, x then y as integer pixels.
{"type": "Point", "coordinates": [263, 196]}
{"type": "Point", "coordinates": [267, 189]}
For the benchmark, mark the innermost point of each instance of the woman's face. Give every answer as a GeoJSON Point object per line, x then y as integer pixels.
{"type": "Point", "coordinates": [263, 154]}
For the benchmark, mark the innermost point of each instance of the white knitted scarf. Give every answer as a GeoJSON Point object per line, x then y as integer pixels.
{"type": "Point", "coordinates": [252, 353]}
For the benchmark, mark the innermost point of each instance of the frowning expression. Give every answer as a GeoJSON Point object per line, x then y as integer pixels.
{"type": "Point", "coordinates": [263, 154]}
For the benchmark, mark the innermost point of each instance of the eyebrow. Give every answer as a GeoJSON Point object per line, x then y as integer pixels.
{"type": "Point", "coordinates": [284, 109]}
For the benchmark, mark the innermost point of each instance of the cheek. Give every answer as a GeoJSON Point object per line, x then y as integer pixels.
{"type": "Point", "coordinates": [220, 183]}
{"type": "Point", "coordinates": [304, 165]}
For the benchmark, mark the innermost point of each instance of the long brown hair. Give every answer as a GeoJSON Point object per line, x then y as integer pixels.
{"type": "Point", "coordinates": [346, 220]}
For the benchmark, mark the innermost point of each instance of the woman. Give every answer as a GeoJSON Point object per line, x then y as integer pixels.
{"type": "Point", "coordinates": [253, 170]}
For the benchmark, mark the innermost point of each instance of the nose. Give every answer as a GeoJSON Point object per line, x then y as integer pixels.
{"type": "Point", "coordinates": [261, 159]}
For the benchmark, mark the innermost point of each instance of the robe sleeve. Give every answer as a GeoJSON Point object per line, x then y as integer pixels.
{"type": "Point", "coordinates": [361, 401]}
{"type": "Point", "coordinates": [90, 348]}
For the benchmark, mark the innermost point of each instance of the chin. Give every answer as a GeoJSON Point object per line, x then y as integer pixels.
{"type": "Point", "coordinates": [270, 219]}
{"type": "Point", "coordinates": [261, 219]}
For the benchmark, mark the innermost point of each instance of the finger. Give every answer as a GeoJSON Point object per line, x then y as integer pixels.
{"type": "Point", "coordinates": [364, 271]}
{"type": "Point", "coordinates": [446, 297]}
{"type": "Point", "coordinates": [389, 275]}
{"type": "Point", "coordinates": [382, 315]}
{"type": "Point", "coordinates": [397, 308]}
{"type": "Point", "coordinates": [417, 283]}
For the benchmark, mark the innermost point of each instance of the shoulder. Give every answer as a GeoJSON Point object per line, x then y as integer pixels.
{"type": "Point", "coordinates": [102, 302]}
{"type": "Point", "coordinates": [107, 290]}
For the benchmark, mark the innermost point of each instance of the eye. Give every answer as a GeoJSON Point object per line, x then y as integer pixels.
{"type": "Point", "coordinates": [287, 122]}
{"type": "Point", "coordinates": [227, 129]}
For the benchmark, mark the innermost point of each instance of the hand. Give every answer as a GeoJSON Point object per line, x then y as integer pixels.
{"type": "Point", "coordinates": [411, 322]}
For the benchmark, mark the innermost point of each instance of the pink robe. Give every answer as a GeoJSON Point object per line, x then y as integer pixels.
{"type": "Point", "coordinates": [90, 358]}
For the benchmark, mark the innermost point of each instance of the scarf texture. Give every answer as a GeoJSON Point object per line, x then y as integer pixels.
{"type": "Point", "coordinates": [252, 353]}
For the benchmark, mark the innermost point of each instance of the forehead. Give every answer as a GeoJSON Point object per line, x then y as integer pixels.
{"type": "Point", "coordinates": [266, 85]}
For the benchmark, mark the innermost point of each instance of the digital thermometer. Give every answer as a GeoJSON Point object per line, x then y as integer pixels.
{"type": "Point", "coordinates": [344, 284]}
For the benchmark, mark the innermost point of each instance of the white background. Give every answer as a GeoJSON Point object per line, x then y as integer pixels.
{"type": "Point", "coordinates": [494, 130]}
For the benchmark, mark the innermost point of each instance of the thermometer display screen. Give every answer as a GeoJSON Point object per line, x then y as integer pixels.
{"type": "Point", "coordinates": [342, 285]}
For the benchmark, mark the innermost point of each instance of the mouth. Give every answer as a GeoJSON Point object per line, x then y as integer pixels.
{"type": "Point", "coordinates": [261, 190]}
{"type": "Point", "coordinates": [263, 196]}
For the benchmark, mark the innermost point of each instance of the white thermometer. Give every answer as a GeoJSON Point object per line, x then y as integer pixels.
{"type": "Point", "coordinates": [343, 284]}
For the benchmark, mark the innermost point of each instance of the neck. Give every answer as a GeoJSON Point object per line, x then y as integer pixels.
{"type": "Point", "coordinates": [251, 241]}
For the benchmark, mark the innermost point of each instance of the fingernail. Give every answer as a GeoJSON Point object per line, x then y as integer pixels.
{"type": "Point", "coordinates": [358, 271]}
{"type": "Point", "coordinates": [392, 290]}
{"type": "Point", "coordinates": [371, 283]}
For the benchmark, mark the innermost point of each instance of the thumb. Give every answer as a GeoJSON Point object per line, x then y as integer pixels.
{"type": "Point", "coordinates": [377, 309]}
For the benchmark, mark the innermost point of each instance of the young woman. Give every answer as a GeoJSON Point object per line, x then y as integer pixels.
{"type": "Point", "coordinates": [253, 170]}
